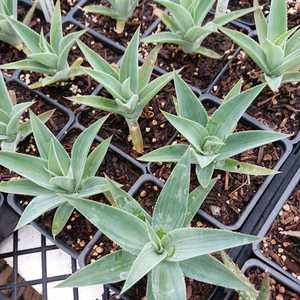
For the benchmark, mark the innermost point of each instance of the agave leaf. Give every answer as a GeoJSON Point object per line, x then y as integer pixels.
{"type": "Point", "coordinates": [61, 217]}
{"type": "Point", "coordinates": [274, 83]}
{"type": "Point", "coordinates": [145, 71]}
{"type": "Point", "coordinates": [22, 187]}
{"type": "Point", "coordinates": [293, 43]}
{"type": "Point", "coordinates": [17, 111]}
{"type": "Point", "coordinates": [170, 153]}
{"type": "Point", "coordinates": [274, 54]}
{"type": "Point", "coordinates": [291, 77]}
{"type": "Point", "coordinates": [95, 159]}
{"type": "Point", "coordinates": [149, 91]}
{"type": "Point", "coordinates": [202, 160]}
{"type": "Point", "coordinates": [166, 19]}
{"type": "Point", "coordinates": [201, 10]}
{"type": "Point", "coordinates": [96, 61]}
{"type": "Point", "coordinates": [110, 268]}
{"type": "Point", "coordinates": [182, 16]}
{"type": "Point", "coordinates": [186, 243]}
{"type": "Point", "coordinates": [28, 65]}
{"type": "Point", "coordinates": [149, 291]}
{"type": "Point", "coordinates": [30, 167]}
{"type": "Point", "coordinates": [5, 104]}
{"type": "Point", "coordinates": [261, 23]}
{"type": "Point", "coordinates": [165, 37]}
{"type": "Point", "coordinates": [204, 175]}
{"type": "Point", "coordinates": [265, 291]}
{"type": "Point", "coordinates": [168, 282]}
{"type": "Point", "coordinates": [54, 164]}
{"type": "Point", "coordinates": [205, 267]}
{"type": "Point", "coordinates": [25, 127]}
{"type": "Point", "coordinates": [167, 214]}
{"type": "Point", "coordinates": [81, 149]}
{"type": "Point", "coordinates": [208, 52]}
{"type": "Point", "coordinates": [231, 16]}
{"type": "Point", "coordinates": [93, 186]}
{"type": "Point", "coordinates": [250, 46]}
{"type": "Point", "coordinates": [277, 21]}
{"type": "Point", "coordinates": [231, 111]}
{"type": "Point", "coordinates": [65, 47]}
{"type": "Point", "coordinates": [50, 62]}
{"type": "Point", "coordinates": [235, 91]}
{"type": "Point", "coordinates": [38, 206]}
{"type": "Point", "coordinates": [43, 137]}
{"type": "Point", "coordinates": [128, 231]}
{"type": "Point", "coordinates": [112, 85]}
{"type": "Point", "coordinates": [56, 33]}
{"type": "Point", "coordinates": [98, 102]}
{"type": "Point", "coordinates": [129, 63]}
{"type": "Point", "coordinates": [147, 259]}
{"type": "Point", "coordinates": [28, 36]}
{"type": "Point", "coordinates": [243, 141]}
{"type": "Point", "coordinates": [231, 165]}
{"type": "Point", "coordinates": [194, 132]}
{"type": "Point", "coordinates": [189, 106]}
{"type": "Point", "coordinates": [126, 202]}
{"type": "Point", "coordinates": [195, 201]}
{"type": "Point", "coordinates": [63, 183]}
{"type": "Point", "coordinates": [291, 61]}
{"type": "Point", "coordinates": [100, 9]}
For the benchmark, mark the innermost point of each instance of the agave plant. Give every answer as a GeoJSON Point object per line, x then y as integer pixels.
{"type": "Point", "coordinates": [12, 128]}
{"type": "Point", "coordinates": [185, 20]}
{"type": "Point", "coordinates": [163, 247]}
{"type": "Point", "coordinates": [251, 293]}
{"type": "Point", "coordinates": [277, 51]}
{"type": "Point", "coordinates": [120, 10]}
{"type": "Point", "coordinates": [54, 174]}
{"type": "Point", "coordinates": [44, 57]}
{"type": "Point", "coordinates": [9, 8]}
{"type": "Point", "coordinates": [213, 139]}
{"type": "Point", "coordinates": [129, 85]}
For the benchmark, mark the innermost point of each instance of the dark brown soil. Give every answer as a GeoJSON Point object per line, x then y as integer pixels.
{"type": "Point", "coordinates": [283, 249]}
{"type": "Point", "coordinates": [232, 192]}
{"type": "Point", "coordinates": [197, 70]}
{"type": "Point", "coordinates": [278, 291]}
{"type": "Point", "coordinates": [81, 85]}
{"type": "Point", "coordinates": [280, 111]}
{"type": "Point", "coordinates": [143, 17]}
{"type": "Point", "coordinates": [293, 10]}
{"type": "Point", "coordinates": [155, 129]}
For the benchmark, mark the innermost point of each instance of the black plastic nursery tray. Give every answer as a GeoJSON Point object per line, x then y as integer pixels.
{"type": "Point", "coordinates": [257, 247]}
{"type": "Point", "coordinates": [8, 219]}
{"type": "Point", "coordinates": [255, 264]}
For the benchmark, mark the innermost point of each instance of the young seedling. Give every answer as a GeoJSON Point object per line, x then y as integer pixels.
{"type": "Point", "coordinates": [130, 86]}
{"type": "Point", "coordinates": [12, 128]}
{"type": "Point", "coordinates": [186, 22]}
{"type": "Point", "coordinates": [213, 139]}
{"type": "Point", "coordinates": [164, 247]}
{"type": "Point", "coordinates": [44, 57]}
{"type": "Point", "coordinates": [120, 10]}
{"type": "Point", "coordinates": [251, 293]}
{"type": "Point", "coordinates": [277, 50]}
{"type": "Point", "coordinates": [9, 8]}
{"type": "Point", "coordinates": [54, 174]}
